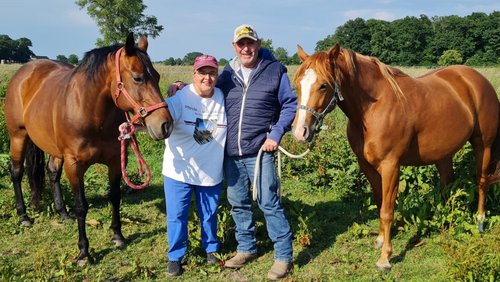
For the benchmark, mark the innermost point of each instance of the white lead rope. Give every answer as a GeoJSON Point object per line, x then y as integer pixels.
{"type": "Point", "coordinates": [257, 169]}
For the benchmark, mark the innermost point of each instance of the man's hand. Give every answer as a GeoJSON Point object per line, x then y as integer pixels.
{"type": "Point", "coordinates": [270, 145]}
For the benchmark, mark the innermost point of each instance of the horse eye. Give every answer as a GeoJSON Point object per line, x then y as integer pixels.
{"type": "Point", "coordinates": [323, 87]}
{"type": "Point", "coordinates": [138, 79]}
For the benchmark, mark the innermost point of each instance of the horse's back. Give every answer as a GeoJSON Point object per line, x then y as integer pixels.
{"type": "Point", "coordinates": [30, 77]}
{"type": "Point", "coordinates": [476, 93]}
{"type": "Point", "coordinates": [455, 102]}
{"type": "Point", "coordinates": [30, 97]}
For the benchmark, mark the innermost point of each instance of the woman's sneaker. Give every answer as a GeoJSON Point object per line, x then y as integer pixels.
{"type": "Point", "coordinates": [212, 259]}
{"type": "Point", "coordinates": [174, 268]}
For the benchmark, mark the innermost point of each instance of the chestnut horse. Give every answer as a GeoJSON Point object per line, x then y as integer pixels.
{"type": "Point", "coordinates": [73, 115]}
{"type": "Point", "coordinates": [394, 120]}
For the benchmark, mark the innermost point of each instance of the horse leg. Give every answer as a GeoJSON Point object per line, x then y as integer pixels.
{"type": "Point", "coordinates": [114, 173]}
{"type": "Point", "coordinates": [446, 176]}
{"type": "Point", "coordinates": [16, 168]}
{"type": "Point", "coordinates": [375, 181]}
{"type": "Point", "coordinates": [75, 172]}
{"type": "Point", "coordinates": [35, 159]}
{"type": "Point", "coordinates": [390, 177]}
{"type": "Point", "coordinates": [483, 156]}
{"type": "Point", "coordinates": [54, 171]}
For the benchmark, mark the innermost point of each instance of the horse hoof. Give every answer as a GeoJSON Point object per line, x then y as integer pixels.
{"type": "Point", "coordinates": [119, 241]}
{"type": "Point", "coordinates": [82, 262]}
{"type": "Point", "coordinates": [384, 266]}
{"type": "Point", "coordinates": [66, 218]}
{"type": "Point", "coordinates": [480, 227]}
{"type": "Point", "coordinates": [25, 222]}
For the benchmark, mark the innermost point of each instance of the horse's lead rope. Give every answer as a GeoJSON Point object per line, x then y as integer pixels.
{"type": "Point", "coordinates": [257, 169]}
{"type": "Point", "coordinates": [127, 130]}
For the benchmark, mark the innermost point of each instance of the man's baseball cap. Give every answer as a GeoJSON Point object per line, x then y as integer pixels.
{"type": "Point", "coordinates": [245, 31]}
{"type": "Point", "coordinates": [205, 61]}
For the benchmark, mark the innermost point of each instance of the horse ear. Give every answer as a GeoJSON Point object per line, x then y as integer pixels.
{"type": "Point", "coordinates": [130, 44]}
{"type": "Point", "coordinates": [143, 43]}
{"type": "Point", "coordinates": [334, 52]}
{"type": "Point", "coordinates": [301, 53]}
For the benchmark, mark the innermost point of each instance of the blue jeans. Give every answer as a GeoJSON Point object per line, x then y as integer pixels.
{"type": "Point", "coordinates": [178, 199]}
{"type": "Point", "coordinates": [239, 173]}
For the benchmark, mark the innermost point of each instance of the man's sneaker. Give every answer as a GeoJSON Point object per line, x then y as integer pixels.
{"type": "Point", "coordinates": [239, 260]}
{"type": "Point", "coordinates": [212, 259]}
{"type": "Point", "coordinates": [279, 270]}
{"type": "Point", "coordinates": [174, 268]}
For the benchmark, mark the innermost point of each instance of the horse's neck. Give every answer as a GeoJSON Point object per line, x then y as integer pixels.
{"type": "Point", "coordinates": [94, 98]}
{"type": "Point", "coordinates": [359, 94]}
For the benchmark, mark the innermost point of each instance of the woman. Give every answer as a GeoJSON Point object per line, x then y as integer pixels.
{"type": "Point", "coordinates": [192, 161]}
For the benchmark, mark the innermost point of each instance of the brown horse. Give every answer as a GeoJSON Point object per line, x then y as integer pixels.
{"type": "Point", "coordinates": [394, 120]}
{"type": "Point", "coordinates": [73, 114]}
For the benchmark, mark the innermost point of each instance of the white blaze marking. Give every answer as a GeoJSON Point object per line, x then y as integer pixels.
{"type": "Point", "coordinates": [305, 89]}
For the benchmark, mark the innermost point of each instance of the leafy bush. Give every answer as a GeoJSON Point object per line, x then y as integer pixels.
{"type": "Point", "coordinates": [473, 257]}
{"type": "Point", "coordinates": [450, 57]}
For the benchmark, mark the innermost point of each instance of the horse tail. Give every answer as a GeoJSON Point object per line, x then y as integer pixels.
{"type": "Point", "coordinates": [494, 169]}
{"type": "Point", "coordinates": [35, 160]}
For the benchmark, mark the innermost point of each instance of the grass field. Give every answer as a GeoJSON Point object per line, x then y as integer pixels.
{"type": "Point", "coordinates": [340, 232]}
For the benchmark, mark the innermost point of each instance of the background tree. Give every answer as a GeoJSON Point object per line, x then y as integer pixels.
{"type": "Point", "coordinates": [354, 34]}
{"type": "Point", "coordinates": [188, 60]}
{"type": "Point", "coordinates": [116, 18]}
{"type": "Point", "coordinates": [170, 61]}
{"type": "Point", "coordinates": [294, 59]}
{"type": "Point", "coordinates": [268, 44]}
{"type": "Point", "coordinates": [22, 51]}
{"type": "Point", "coordinates": [62, 58]}
{"type": "Point", "coordinates": [73, 59]}
{"type": "Point", "coordinates": [451, 32]}
{"type": "Point", "coordinates": [223, 62]}
{"type": "Point", "coordinates": [6, 47]}
{"type": "Point", "coordinates": [281, 55]}
{"type": "Point", "coordinates": [15, 50]}
{"type": "Point", "coordinates": [450, 57]}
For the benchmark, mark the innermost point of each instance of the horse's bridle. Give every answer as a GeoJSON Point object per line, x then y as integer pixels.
{"type": "Point", "coordinates": [141, 112]}
{"type": "Point", "coordinates": [336, 98]}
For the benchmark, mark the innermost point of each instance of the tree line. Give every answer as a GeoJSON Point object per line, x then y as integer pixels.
{"type": "Point", "coordinates": [414, 41]}
{"type": "Point", "coordinates": [410, 41]}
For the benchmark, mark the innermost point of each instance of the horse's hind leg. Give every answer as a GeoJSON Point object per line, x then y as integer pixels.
{"type": "Point", "coordinates": [114, 173]}
{"type": "Point", "coordinates": [446, 175]}
{"type": "Point", "coordinates": [16, 167]}
{"type": "Point", "coordinates": [483, 155]}
{"type": "Point", "coordinates": [54, 171]}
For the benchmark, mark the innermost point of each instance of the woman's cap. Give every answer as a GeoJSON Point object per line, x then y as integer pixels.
{"type": "Point", "coordinates": [245, 31]}
{"type": "Point", "coordinates": [205, 61]}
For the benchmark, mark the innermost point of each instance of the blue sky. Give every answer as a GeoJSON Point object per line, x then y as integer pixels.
{"type": "Point", "coordinates": [59, 27]}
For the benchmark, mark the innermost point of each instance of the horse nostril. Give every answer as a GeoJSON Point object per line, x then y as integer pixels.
{"type": "Point", "coordinates": [305, 132]}
{"type": "Point", "coordinates": [166, 128]}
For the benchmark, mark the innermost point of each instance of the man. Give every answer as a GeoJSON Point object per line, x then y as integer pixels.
{"type": "Point", "coordinates": [260, 107]}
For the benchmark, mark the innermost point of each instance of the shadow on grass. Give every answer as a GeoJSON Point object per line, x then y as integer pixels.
{"type": "Point", "coordinates": [324, 221]}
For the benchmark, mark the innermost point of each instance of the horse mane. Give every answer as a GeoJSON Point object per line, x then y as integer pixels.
{"type": "Point", "coordinates": [388, 72]}
{"type": "Point", "coordinates": [321, 63]}
{"type": "Point", "coordinates": [94, 60]}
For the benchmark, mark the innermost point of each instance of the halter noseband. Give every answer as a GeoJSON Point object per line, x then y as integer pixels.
{"type": "Point", "coordinates": [337, 97]}
{"type": "Point", "coordinates": [141, 112]}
